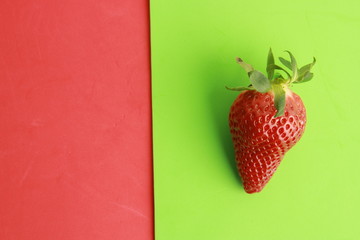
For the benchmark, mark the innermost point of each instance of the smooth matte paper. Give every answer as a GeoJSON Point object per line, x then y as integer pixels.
{"type": "Point", "coordinates": [198, 195]}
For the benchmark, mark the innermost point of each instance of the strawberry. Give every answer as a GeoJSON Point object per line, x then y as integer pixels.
{"type": "Point", "coordinates": [267, 119]}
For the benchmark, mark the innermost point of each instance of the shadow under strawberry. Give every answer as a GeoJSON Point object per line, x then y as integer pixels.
{"type": "Point", "coordinates": [219, 103]}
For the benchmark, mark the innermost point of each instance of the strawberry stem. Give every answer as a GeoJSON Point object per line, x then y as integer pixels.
{"type": "Point", "coordinates": [274, 81]}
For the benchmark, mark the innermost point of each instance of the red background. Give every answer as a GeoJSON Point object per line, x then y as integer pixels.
{"type": "Point", "coordinates": [75, 120]}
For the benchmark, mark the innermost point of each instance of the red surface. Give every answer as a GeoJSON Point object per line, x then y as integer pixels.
{"type": "Point", "coordinates": [75, 125]}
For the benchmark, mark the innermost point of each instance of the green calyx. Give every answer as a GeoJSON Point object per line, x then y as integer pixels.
{"type": "Point", "coordinates": [274, 81]}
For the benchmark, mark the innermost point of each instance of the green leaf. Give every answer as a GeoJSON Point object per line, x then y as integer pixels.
{"type": "Point", "coordinates": [308, 76]}
{"type": "Point", "coordinates": [304, 73]}
{"type": "Point", "coordinates": [293, 66]}
{"type": "Point", "coordinates": [279, 99]}
{"type": "Point", "coordinates": [285, 62]}
{"type": "Point", "coordinates": [247, 67]}
{"type": "Point", "coordinates": [259, 81]}
{"type": "Point", "coordinates": [274, 66]}
{"type": "Point", "coordinates": [239, 88]}
{"type": "Point", "coordinates": [270, 61]}
{"type": "Point", "coordinates": [305, 69]}
{"type": "Point", "coordinates": [278, 75]}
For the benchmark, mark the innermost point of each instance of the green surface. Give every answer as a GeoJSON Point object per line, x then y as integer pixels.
{"type": "Point", "coordinates": [315, 193]}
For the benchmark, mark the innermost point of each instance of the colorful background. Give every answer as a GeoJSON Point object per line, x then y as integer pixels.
{"type": "Point", "coordinates": [77, 156]}
{"type": "Point", "coordinates": [198, 195]}
{"type": "Point", "coordinates": [75, 120]}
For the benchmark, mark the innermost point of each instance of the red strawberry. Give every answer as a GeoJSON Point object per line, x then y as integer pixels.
{"type": "Point", "coordinates": [266, 120]}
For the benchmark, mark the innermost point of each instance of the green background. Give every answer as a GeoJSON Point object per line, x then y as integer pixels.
{"type": "Point", "coordinates": [315, 193]}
